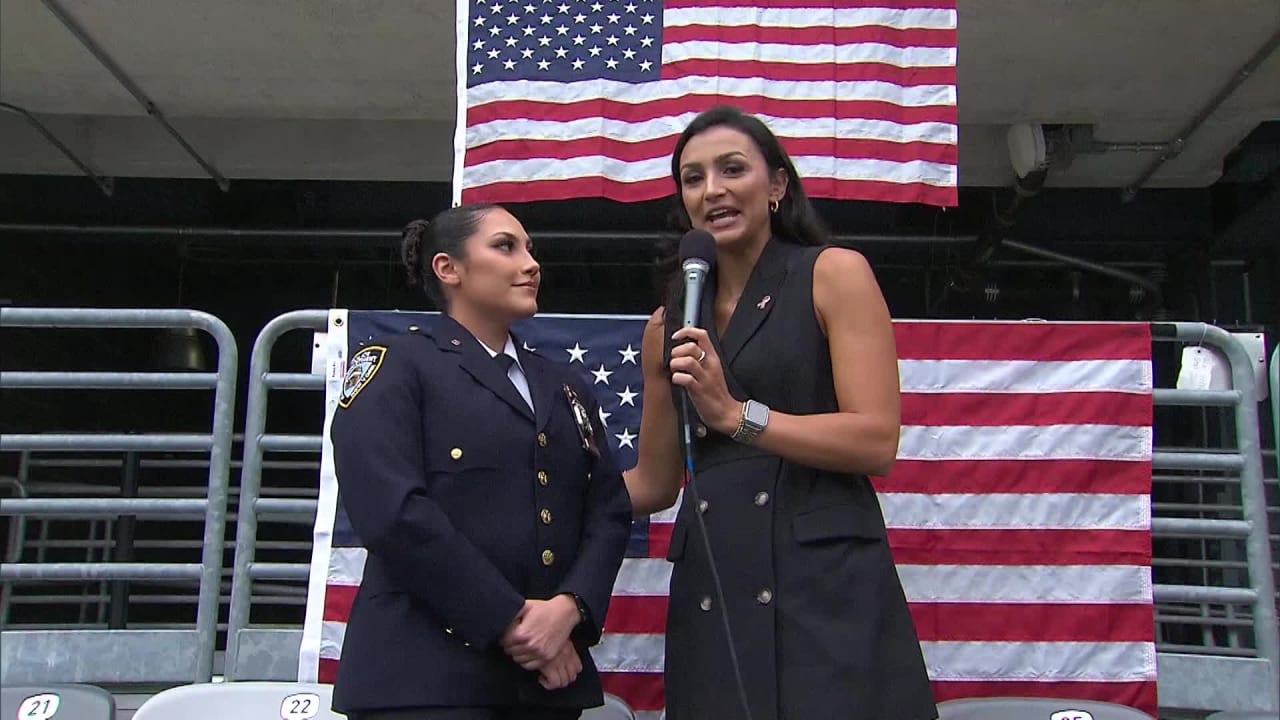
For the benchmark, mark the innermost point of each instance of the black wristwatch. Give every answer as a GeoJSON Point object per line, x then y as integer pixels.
{"type": "Point", "coordinates": [583, 614]}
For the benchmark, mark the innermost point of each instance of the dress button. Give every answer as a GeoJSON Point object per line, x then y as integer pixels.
{"type": "Point", "coordinates": [702, 506]}
{"type": "Point", "coordinates": [542, 439]}
{"type": "Point", "coordinates": [542, 478]}
{"type": "Point", "coordinates": [548, 558]}
{"type": "Point", "coordinates": [456, 453]}
{"type": "Point", "coordinates": [546, 516]}
{"type": "Point", "coordinates": [764, 597]}
{"type": "Point", "coordinates": [700, 431]}
{"type": "Point", "coordinates": [762, 499]}
{"type": "Point", "coordinates": [705, 603]}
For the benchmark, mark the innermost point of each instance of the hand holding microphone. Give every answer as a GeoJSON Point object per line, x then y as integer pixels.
{"type": "Point", "coordinates": [695, 365]}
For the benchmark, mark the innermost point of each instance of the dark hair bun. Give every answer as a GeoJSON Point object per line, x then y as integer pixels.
{"type": "Point", "coordinates": [414, 245]}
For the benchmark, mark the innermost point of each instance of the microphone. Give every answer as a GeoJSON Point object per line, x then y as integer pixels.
{"type": "Point", "coordinates": [697, 258]}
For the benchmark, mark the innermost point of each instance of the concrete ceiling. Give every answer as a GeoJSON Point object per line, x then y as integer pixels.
{"type": "Point", "coordinates": [332, 89]}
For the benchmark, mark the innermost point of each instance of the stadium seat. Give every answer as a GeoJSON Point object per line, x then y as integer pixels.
{"type": "Point", "coordinates": [613, 709]}
{"type": "Point", "coordinates": [219, 701]}
{"type": "Point", "coordinates": [1021, 708]}
{"type": "Point", "coordinates": [1242, 715]}
{"type": "Point", "coordinates": [67, 702]}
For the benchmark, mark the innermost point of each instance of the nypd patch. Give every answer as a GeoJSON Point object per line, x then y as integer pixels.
{"type": "Point", "coordinates": [363, 366]}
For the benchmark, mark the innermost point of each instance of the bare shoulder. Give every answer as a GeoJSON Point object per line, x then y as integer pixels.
{"type": "Point", "coordinates": [844, 284]}
{"type": "Point", "coordinates": [841, 267]}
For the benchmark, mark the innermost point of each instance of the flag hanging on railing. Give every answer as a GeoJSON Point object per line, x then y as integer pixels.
{"type": "Point", "coordinates": [1019, 512]}
{"type": "Point", "coordinates": [561, 99]}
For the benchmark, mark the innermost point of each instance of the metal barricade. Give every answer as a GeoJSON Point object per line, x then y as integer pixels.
{"type": "Point", "coordinates": [121, 656]}
{"type": "Point", "coordinates": [1214, 676]}
{"type": "Point", "coordinates": [267, 653]}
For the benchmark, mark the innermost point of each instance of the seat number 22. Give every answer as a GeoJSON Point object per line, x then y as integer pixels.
{"type": "Point", "coordinates": [301, 706]}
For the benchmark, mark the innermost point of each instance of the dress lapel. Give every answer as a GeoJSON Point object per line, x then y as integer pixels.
{"type": "Point", "coordinates": [452, 337]}
{"type": "Point", "coordinates": [757, 300]}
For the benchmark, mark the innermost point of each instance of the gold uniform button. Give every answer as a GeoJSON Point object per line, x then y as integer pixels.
{"type": "Point", "coordinates": [700, 431]}
{"type": "Point", "coordinates": [542, 478]}
{"type": "Point", "coordinates": [548, 558]}
{"type": "Point", "coordinates": [546, 516]}
{"type": "Point", "coordinates": [765, 597]}
{"type": "Point", "coordinates": [456, 453]}
{"type": "Point", "coordinates": [702, 506]}
{"type": "Point", "coordinates": [705, 603]}
{"type": "Point", "coordinates": [762, 499]}
{"type": "Point", "coordinates": [542, 439]}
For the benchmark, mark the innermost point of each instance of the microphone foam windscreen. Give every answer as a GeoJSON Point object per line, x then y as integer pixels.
{"type": "Point", "coordinates": [698, 244]}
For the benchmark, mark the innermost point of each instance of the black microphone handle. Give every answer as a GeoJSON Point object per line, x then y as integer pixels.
{"type": "Point", "coordinates": [692, 303]}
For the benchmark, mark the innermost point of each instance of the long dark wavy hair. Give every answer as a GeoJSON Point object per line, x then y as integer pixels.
{"type": "Point", "coordinates": [795, 221]}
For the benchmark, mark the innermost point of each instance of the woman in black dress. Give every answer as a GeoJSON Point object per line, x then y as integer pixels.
{"type": "Point", "coordinates": [794, 381]}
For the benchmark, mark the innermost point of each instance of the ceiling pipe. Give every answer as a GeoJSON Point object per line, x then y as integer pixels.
{"type": "Point", "coordinates": [154, 111]}
{"type": "Point", "coordinates": [1157, 295]}
{"type": "Point", "coordinates": [105, 184]}
{"type": "Point", "coordinates": [1176, 146]}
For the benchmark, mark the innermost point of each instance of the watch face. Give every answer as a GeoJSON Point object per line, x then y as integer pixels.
{"type": "Point", "coordinates": [757, 414]}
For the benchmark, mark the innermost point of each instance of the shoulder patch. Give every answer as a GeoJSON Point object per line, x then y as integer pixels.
{"type": "Point", "coordinates": [363, 366]}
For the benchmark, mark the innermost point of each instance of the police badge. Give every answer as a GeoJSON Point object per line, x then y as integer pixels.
{"type": "Point", "coordinates": [581, 418]}
{"type": "Point", "coordinates": [363, 366]}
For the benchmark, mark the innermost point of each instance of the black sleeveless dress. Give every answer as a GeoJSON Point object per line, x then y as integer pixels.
{"type": "Point", "coordinates": [818, 615]}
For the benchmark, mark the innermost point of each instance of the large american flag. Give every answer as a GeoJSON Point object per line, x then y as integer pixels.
{"type": "Point", "coordinates": [573, 98]}
{"type": "Point", "coordinates": [1019, 511]}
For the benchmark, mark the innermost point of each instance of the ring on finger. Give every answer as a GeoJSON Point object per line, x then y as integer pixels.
{"type": "Point", "coordinates": [702, 357]}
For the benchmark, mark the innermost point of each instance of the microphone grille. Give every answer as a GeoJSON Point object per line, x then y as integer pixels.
{"type": "Point", "coordinates": [698, 244]}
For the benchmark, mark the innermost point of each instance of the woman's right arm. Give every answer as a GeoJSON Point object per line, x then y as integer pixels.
{"type": "Point", "coordinates": [655, 482]}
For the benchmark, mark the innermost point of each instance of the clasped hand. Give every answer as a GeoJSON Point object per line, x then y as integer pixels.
{"type": "Point", "coordinates": [538, 639]}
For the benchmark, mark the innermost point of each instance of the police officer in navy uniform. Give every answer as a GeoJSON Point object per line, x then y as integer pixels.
{"type": "Point", "coordinates": [478, 478]}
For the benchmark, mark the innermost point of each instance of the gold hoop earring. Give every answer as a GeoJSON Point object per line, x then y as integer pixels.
{"type": "Point", "coordinates": [773, 206]}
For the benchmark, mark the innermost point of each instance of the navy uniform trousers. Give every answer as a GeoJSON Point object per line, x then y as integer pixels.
{"type": "Point", "coordinates": [468, 503]}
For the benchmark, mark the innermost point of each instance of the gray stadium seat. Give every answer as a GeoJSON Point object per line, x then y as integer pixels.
{"type": "Point", "coordinates": [219, 701]}
{"type": "Point", "coordinates": [1242, 715]}
{"type": "Point", "coordinates": [61, 702]}
{"type": "Point", "coordinates": [1022, 708]}
{"type": "Point", "coordinates": [613, 709]}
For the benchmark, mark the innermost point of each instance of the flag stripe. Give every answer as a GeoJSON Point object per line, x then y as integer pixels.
{"type": "Point", "coordinates": [835, 59]}
{"type": "Point", "coordinates": [1033, 341]}
{"type": "Point", "coordinates": [937, 622]}
{"type": "Point", "coordinates": [1090, 408]}
{"type": "Point", "coordinates": [1026, 442]}
{"type": "Point", "coordinates": [1024, 376]}
{"type": "Point", "coordinates": [815, 35]}
{"type": "Point", "coordinates": [644, 691]}
{"type": "Point", "coordinates": [1039, 511]}
{"type": "Point", "coordinates": [659, 150]}
{"type": "Point", "coordinates": [961, 583]}
{"type": "Point", "coordinates": [1017, 476]}
{"type": "Point", "coordinates": [606, 96]}
{"type": "Point", "coordinates": [1020, 547]}
{"type": "Point", "coordinates": [792, 72]}
{"type": "Point", "coordinates": [905, 108]}
{"type": "Point", "coordinates": [1032, 622]}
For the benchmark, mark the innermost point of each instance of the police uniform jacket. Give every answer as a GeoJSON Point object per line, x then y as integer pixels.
{"type": "Point", "coordinates": [468, 503]}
